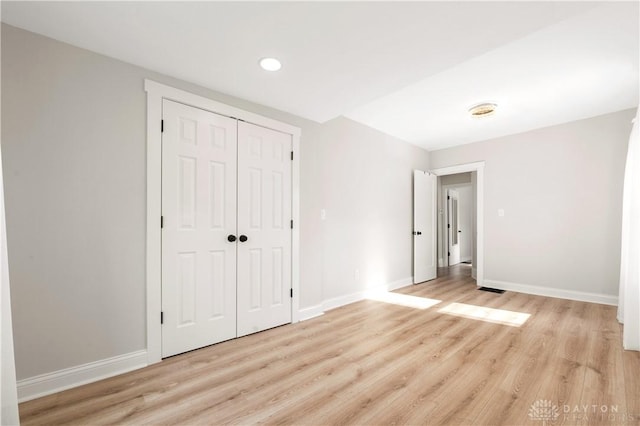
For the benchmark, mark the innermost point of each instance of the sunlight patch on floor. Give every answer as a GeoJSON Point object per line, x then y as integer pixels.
{"type": "Point", "coordinates": [497, 316]}
{"type": "Point", "coordinates": [402, 299]}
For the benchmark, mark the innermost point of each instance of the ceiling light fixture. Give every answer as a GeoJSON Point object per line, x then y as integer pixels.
{"type": "Point", "coordinates": [270, 64]}
{"type": "Point", "coordinates": [483, 110]}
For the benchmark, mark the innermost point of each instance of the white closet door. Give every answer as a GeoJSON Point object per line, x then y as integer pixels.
{"type": "Point", "coordinates": [264, 215]}
{"type": "Point", "coordinates": [199, 212]}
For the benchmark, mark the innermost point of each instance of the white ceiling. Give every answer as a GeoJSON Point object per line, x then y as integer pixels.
{"type": "Point", "coordinates": [409, 69]}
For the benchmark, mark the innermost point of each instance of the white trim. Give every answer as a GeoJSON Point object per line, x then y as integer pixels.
{"type": "Point", "coordinates": [347, 299]}
{"type": "Point", "coordinates": [187, 98]}
{"type": "Point", "coordinates": [156, 92]}
{"type": "Point", "coordinates": [477, 167]}
{"type": "Point", "coordinates": [474, 272]}
{"type": "Point", "coordinates": [580, 296]}
{"type": "Point", "coordinates": [57, 381]}
{"type": "Point", "coordinates": [310, 312]}
{"type": "Point", "coordinates": [295, 232]}
{"type": "Point", "coordinates": [154, 236]}
{"type": "Point", "coordinates": [397, 284]}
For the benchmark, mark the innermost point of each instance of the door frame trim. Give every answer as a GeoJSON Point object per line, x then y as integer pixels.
{"type": "Point", "coordinates": [156, 92]}
{"type": "Point", "coordinates": [477, 167]}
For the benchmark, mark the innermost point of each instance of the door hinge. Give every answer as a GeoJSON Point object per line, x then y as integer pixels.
{"type": "Point", "coordinates": [291, 293]}
{"type": "Point", "coordinates": [448, 198]}
{"type": "Point", "coordinates": [161, 126]}
{"type": "Point", "coordinates": [448, 253]}
{"type": "Point", "coordinates": [291, 155]}
{"type": "Point", "coordinates": [161, 222]}
{"type": "Point", "coordinates": [448, 225]}
{"type": "Point", "coordinates": [291, 223]}
{"type": "Point", "coordinates": [161, 317]}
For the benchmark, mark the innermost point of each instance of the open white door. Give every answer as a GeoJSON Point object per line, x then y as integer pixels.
{"type": "Point", "coordinates": [424, 226]}
{"type": "Point", "coordinates": [453, 226]}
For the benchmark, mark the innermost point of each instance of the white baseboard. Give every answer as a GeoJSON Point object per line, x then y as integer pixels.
{"type": "Point", "coordinates": [336, 302]}
{"type": "Point", "coordinates": [310, 312]}
{"type": "Point", "coordinates": [347, 299]}
{"type": "Point", "coordinates": [580, 296]}
{"type": "Point", "coordinates": [46, 384]}
{"type": "Point", "coordinates": [398, 284]}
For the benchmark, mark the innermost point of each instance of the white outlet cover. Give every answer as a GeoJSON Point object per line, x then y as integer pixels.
{"type": "Point", "coordinates": [501, 212]}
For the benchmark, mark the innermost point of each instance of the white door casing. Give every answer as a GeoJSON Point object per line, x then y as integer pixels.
{"type": "Point", "coordinates": [156, 94]}
{"type": "Point", "coordinates": [264, 219]}
{"type": "Point", "coordinates": [424, 226]}
{"type": "Point", "coordinates": [199, 212]}
{"type": "Point", "coordinates": [478, 168]}
{"type": "Point", "coordinates": [453, 227]}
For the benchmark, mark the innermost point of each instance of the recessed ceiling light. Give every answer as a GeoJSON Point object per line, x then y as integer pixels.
{"type": "Point", "coordinates": [270, 64]}
{"type": "Point", "coordinates": [483, 110]}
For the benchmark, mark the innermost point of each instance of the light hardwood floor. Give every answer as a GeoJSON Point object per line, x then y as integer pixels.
{"type": "Point", "coordinates": [373, 362]}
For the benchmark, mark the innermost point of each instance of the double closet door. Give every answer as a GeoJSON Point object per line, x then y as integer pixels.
{"type": "Point", "coordinates": [226, 234]}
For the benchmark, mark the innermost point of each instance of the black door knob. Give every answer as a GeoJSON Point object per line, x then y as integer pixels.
{"type": "Point", "coordinates": [231, 238]}
{"type": "Point", "coordinates": [419, 233]}
{"type": "Point", "coordinates": [243, 238]}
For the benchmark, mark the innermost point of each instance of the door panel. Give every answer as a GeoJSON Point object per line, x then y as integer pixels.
{"type": "Point", "coordinates": [453, 226]}
{"type": "Point", "coordinates": [424, 226]}
{"type": "Point", "coordinates": [264, 214]}
{"type": "Point", "coordinates": [199, 155]}
{"type": "Point", "coordinates": [465, 214]}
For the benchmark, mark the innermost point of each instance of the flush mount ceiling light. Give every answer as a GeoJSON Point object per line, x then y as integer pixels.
{"type": "Point", "coordinates": [270, 64]}
{"type": "Point", "coordinates": [483, 110]}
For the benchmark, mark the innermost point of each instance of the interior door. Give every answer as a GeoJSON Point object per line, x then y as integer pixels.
{"type": "Point", "coordinates": [453, 226]}
{"type": "Point", "coordinates": [465, 216]}
{"type": "Point", "coordinates": [424, 226]}
{"type": "Point", "coordinates": [264, 228]}
{"type": "Point", "coordinates": [198, 213]}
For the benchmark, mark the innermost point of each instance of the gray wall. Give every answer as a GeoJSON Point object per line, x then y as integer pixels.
{"type": "Point", "coordinates": [74, 157]}
{"type": "Point", "coordinates": [561, 189]}
{"type": "Point", "coordinates": [367, 192]}
{"type": "Point", "coordinates": [8, 392]}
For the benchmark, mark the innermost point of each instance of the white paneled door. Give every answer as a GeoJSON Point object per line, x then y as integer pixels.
{"type": "Point", "coordinates": [465, 223]}
{"type": "Point", "coordinates": [264, 228]}
{"type": "Point", "coordinates": [424, 226]}
{"type": "Point", "coordinates": [226, 236]}
{"type": "Point", "coordinates": [199, 163]}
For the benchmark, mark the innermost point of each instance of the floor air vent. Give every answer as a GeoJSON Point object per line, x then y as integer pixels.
{"type": "Point", "coordinates": [492, 290]}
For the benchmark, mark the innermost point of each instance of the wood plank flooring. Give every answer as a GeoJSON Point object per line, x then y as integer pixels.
{"type": "Point", "coordinates": [378, 363]}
